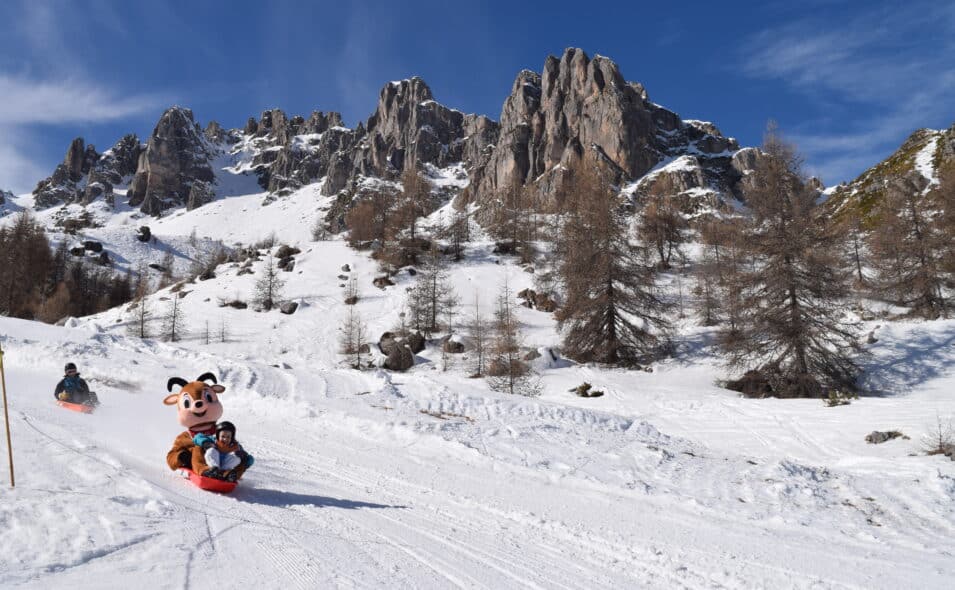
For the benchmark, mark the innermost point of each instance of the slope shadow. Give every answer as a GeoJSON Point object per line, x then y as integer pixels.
{"type": "Point", "coordinates": [909, 363]}
{"type": "Point", "coordinates": [280, 499]}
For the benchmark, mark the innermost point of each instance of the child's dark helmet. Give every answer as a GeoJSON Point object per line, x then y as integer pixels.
{"type": "Point", "coordinates": [225, 426]}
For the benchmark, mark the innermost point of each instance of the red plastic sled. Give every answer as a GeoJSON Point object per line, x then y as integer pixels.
{"type": "Point", "coordinates": [210, 484]}
{"type": "Point", "coordinates": [82, 408]}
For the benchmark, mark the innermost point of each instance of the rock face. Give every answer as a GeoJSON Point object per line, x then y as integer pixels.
{"type": "Point", "coordinates": [582, 108]}
{"type": "Point", "coordinates": [85, 175]}
{"type": "Point", "coordinates": [65, 185]}
{"type": "Point", "coordinates": [176, 157]}
{"type": "Point", "coordinates": [576, 109]}
{"type": "Point", "coordinates": [408, 129]}
{"type": "Point", "coordinates": [116, 166]}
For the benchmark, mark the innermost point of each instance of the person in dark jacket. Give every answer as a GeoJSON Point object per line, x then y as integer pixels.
{"type": "Point", "coordinates": [73, 388]}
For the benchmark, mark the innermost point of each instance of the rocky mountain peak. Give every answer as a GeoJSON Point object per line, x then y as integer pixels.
{"type": "Point", "coordinates": [176, 157]}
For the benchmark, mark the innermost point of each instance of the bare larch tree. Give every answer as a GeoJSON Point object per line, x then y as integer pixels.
{"type": "Point", "coordinates": [611, 313]}
{"type": "Point", "coordinates": [792, 329]}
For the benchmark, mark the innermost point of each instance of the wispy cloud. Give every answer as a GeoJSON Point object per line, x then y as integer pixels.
{"type": "Point", "coordinates": [63, 93]}
{"type": "Point", "coordinates": [29, 101]}
{"type": "Point", "coordinates": [893, 62]}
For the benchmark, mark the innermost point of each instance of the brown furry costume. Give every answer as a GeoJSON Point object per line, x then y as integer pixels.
{"type": "Point", "coordinates": [199, 409]}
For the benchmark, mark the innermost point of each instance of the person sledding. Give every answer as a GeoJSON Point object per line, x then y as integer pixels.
{"type": "Point", "coordinates": [73, 388]}
{"type": "Point", "coordinates": [198, 409]}
{"type": "Point", "coordinates": [223, 453]}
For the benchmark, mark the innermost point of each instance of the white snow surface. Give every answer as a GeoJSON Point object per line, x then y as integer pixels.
{"type": "Point", "coordinates": [428, 479]}
{"type": "Point", "coordinates": [925, 160]}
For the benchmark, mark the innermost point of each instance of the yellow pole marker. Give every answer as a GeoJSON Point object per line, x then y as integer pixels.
{"type": "Point", "coordinates": [6, 416]}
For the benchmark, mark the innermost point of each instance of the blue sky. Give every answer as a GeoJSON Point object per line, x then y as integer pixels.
{"type": "Point", "coordinates": [847, 81]}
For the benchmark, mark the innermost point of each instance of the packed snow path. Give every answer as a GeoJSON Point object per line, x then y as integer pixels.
{"type": "Point", "coordinates": [354, 486]}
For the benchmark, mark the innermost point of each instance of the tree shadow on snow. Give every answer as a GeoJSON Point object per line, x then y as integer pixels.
{"type": "Point", "coordinates": [908, 363]}
{"type": "Point", "coordinates": [279, 498]}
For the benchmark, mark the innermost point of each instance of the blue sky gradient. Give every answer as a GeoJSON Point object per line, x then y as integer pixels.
{"type": "Point", "coordinates": [846, 81]}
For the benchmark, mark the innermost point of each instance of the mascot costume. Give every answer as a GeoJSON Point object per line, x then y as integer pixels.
{"type": "Point", "coordinates": [199, 409]}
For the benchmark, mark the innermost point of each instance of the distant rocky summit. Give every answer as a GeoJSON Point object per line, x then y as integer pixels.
{"type": "Point", "coordinates": [577, 109]}
{"type": "Point", "coordinates": [175, 168]}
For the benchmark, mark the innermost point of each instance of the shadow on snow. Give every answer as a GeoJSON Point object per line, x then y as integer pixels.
{"type": "Point", "coordinates": [278, 498]}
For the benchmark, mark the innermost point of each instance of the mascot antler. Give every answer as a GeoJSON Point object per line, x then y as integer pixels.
{"type": "Point", "coordinates": [207, 377]}
{"type": "Point", "coordinates": [176, 381]}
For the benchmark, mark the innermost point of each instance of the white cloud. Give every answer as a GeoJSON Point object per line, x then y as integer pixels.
{"type": "Point", "coordinates": [896, 64]}
{"type": "Point", "coordinates": [28, 102]}
{"type": "Point", "coordinates": [55, 37]}
{"type": "Point", "coordinates": [18, 172]}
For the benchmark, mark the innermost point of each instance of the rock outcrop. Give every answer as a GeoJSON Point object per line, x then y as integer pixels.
{"type": "Point", "coordinates": [582, 108]}
{"type": "Point", "coordinates": [116, 166]}
{"type": "Point", "coordinates": [576, 109]}
{"type": "Point", "coordinates": [67, 183]}
{"type": "Point", "coordinates": [408, 129]}
{"type": "Point", "coordinates": [85, 175]}
{"type": "Point", "coordinates": [176, 157]}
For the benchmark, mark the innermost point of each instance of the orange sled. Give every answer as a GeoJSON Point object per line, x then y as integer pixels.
{"type": "Point", "coordinates": [82, 408]}
{"type": "Point", "coordinates": [210, 484]}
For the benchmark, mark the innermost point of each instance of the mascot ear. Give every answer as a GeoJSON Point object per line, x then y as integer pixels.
{"type": "Point", "coordinates": [207, 377]}
{"type": "Point", "coordinates": [171, 400]}
{"type": "Point", "coordinates": [176, 381]}
{"type": "Point", "coordinates": [218, 388]}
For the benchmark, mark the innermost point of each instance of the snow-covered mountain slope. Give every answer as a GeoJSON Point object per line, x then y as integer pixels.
{"type": "Point", "coordinates": [920, 158]}
{"type": "Point", "coordinates": [430, 479]}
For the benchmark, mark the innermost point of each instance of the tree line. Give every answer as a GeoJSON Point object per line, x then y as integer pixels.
{"type": "Point", "coordinates": [39, 283]}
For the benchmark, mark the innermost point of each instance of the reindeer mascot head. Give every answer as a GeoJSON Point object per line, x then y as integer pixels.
{"type": "Point", "coordinates": [199, 409]}
{"type": "Point", "coordinates": [198, 402]}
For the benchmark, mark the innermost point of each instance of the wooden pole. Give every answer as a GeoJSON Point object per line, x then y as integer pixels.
{"type": "Point", "coordinates": [6, 416]}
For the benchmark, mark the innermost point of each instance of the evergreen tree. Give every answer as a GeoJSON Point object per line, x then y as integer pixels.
{"type": "Point", "coordinates": [908, 245]}
{"type": "Point", "coordinates": [352, 335]}
{"type": "Point", "coordinates": [792, 328]}
{"type": "Point", "coordinates": [269, 285]}
{"type": "Point", "coordinates": [611, 313]}
{"type": "Point", "coordinates": [173, 323]}
{"type": "Point", "coordinates": [507, 371]}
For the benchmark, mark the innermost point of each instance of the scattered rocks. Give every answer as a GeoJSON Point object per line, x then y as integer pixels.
{"type": "Point", "coordinates": [235, 304]}
{"type": "Point", "coordinates": [400, 358]}
{"type": "Point", "coordinates": [78, 251]}
{"type": "Point", "coordinates": [346, 268]}
{"type": "Point", "coordinates": [387, 342]}
{"type": "Point", "coordinates": [382, 282]}
{"type": "Point", "coordinates": [531, 355]}
{"type": "Point", "coordinates": [415, 342]}
{"type": "Point", "coordinates": [877, 437]}
{"type": "Point", "coordinates": [103, 259]}
{"type": "Point", "coordinates": [93, 246]}
{"type": "Point", "coordinates": [452, 346]}
{"type": "Point", "coordinates": [586, 390]}
{"type": "Point", "coordinates": [144, 234]}
{"type": "Point", "coordinates": [539, 301]}
{"type": "Point", "coordinates": [286, 251]}
{"type": "Point", "coordinates": [289, 307]}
